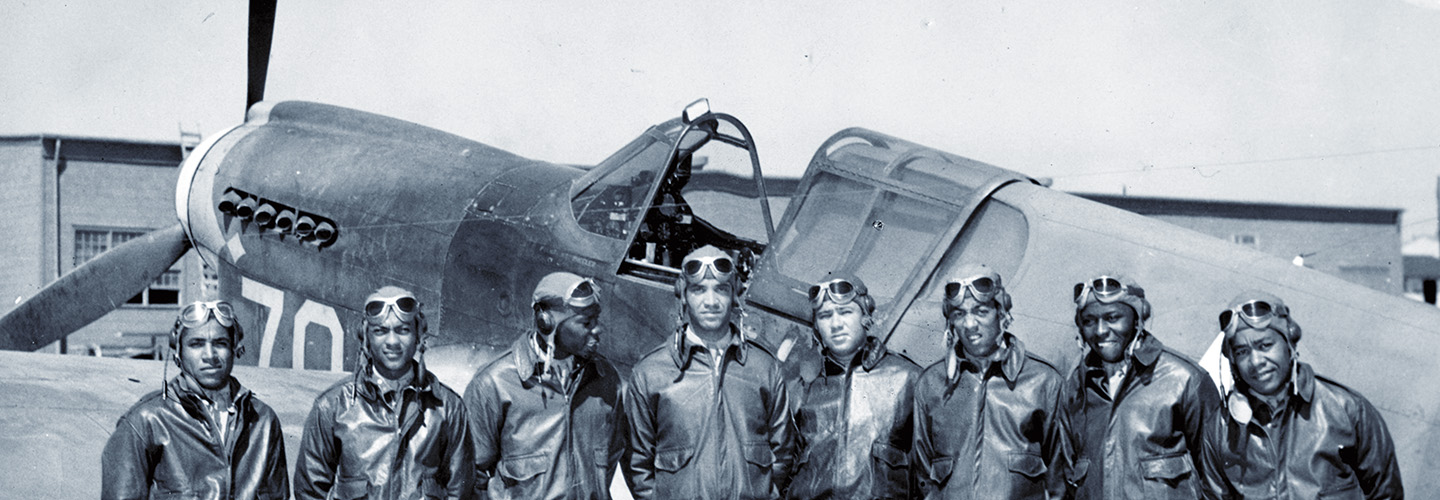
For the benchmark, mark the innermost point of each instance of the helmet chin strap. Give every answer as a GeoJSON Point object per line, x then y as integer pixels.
{"type": "Point", "coordinates": [165, 372]}
{"type": "Point", "coordinates": [1135, 342]}
{"type": "Point", "coordinates": [549, 349]}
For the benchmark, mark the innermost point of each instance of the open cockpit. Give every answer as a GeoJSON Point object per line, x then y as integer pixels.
{"type": "Point", "coordinates": [649, 194]}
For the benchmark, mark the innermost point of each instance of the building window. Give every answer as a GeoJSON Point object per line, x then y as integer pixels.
{"type": "Point", "coordinates": [1244, 239]}
{"type": "Point", "coordinates": [90, 243]}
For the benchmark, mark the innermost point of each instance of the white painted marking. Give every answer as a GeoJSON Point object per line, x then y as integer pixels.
{"type": "Point", "coordinates": [236, 249]}
{"type": "Point", "coordinates": [272, 299]}
{"type": "Point", "coordinates": [1215, 363]}
{"type": "Point", "coordinates": [312, 312]}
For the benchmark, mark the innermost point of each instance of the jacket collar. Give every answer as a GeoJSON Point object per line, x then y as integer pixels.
{"type": "Point", "coordinates": [1304, 382]}
{"type": "Point", "coordinates": [530, 367]}
{"type": "Point", "coordinates": [1010, 357]}
{"type": "Point", "coordinates": [868, 357]}
{"type": "Point", "coordinates": [184, 390]}
{"type": "Point", "coordinates": [1147, 349]}
{"type": "Point", "coordinates": [682, 349]}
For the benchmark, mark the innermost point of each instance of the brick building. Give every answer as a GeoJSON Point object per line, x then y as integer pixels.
{"type": "Point", "coordinates": [68, 199]}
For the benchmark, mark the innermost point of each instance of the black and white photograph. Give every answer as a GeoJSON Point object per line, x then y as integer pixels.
{"type": "Point", "coordinates": [642, 250]}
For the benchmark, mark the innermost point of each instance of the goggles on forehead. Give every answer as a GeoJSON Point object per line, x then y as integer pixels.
{"type": "Point", "coordinates": [694, 268]}
{"type": "Point", "coordinates": [1257, 314]}
{"type": "Point", "coordinates": [197, 313]}
{"type": "Point", "coordinates": [405, 307]}
{"type": "Point", "coordinates": [1105, 289]}
{"type": "Point", "coordinates": [983, 288]}
{"type": "Point", "coordinates": [840, 291]}
{"type": "Point", "coordinates": [583, 294]}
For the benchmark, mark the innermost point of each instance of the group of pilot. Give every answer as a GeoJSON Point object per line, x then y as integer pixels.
{"type": "Point", "coordinates": [708, 414]}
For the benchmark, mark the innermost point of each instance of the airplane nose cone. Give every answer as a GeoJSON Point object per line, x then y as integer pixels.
{"type": "Point", "coordinates": [195, 190]}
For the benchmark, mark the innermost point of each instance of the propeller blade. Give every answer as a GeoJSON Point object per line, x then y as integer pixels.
{"type": "Point", "coordinates": [262, 30]}
{"type": "Point", "coordinates": [92, 290]}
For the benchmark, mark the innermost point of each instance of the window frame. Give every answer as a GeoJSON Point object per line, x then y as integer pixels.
{"type": "Point", "coordinates": [144, 296]}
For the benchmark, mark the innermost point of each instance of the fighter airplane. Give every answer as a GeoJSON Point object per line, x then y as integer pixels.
{"type": "Point", "coordinates": [305, 208]}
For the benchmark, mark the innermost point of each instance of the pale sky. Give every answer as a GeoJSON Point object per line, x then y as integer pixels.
{"type": "Point", "coordinates": [1333, 102]}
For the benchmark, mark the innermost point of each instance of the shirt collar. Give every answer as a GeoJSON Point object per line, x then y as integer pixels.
{"type": "Point", "coordinates": [686, 342]}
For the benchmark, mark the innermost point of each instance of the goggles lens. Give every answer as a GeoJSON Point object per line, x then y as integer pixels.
{"type": "Point", "coordinates": [1105, 288]}
{"type": "Point", "coordinates": [839, 290]}
{"type": "Point", "coordinates": [694, 268]}
{"type": "Point", "coordinates": [583, 294]}
{"type": "Point", "coordinates": [1256, 313]}
{"type": "Point", "coordinates": [404, 307]}
{"type": "Point", "coordinates": [197, 313]}
{"type": "Point", "coordinates": [983, 288]}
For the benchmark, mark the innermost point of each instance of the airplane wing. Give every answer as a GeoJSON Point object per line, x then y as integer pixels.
{"type": "Point", "coordinates": [59, 411]}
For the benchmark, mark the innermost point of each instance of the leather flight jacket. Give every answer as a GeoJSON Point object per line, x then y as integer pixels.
{"type": "Point", "coordinates": [855, 427]}
{"type": "Point", "coordinates": [1326, 441]}
{"type": "Point", "coordinates": [358, 445]}
{"type": "Point", "coordinates": [996, 433]}
{"type": "Point", "coordinates": [169, 446]}
{"type": "Point", "coordinates": [702, 429]}
{"type": "Point", "coordinates": [1147, 442]}
{"type": "Point", "coordinates": [540, 437]}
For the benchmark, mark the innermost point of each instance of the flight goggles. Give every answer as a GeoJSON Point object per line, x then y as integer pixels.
{"type": "Point", "coordinates": [582, 294]}
{"type": "Point", "coordinates": [1105, 289]}
{"type": "Point", "coordinates": [840, 291]}
{"type": "Point", "coordinates": [1257, 314]}
{"type": "Point", "coordinates": [195, 314]}
{"type": "Point", "coordinates": [694, 268]}
{"type": "Point", "coordinates": [982, 287]}
{"type": "Point", "coordinates": [404, 306]}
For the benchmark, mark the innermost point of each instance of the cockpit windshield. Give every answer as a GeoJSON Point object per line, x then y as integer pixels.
{"type": "Point", "coordinates": [878, 208]}
{"type": "Point", "coordinates": [860, 228]}
{"type": "Point", "coordinates": [613, 195]}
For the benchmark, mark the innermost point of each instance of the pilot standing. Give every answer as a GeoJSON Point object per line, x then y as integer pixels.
{"type": "Point", "coordinates": [707, 410]}
{"type": "Point", "coordinates": [854, 422]}
{"type": "Point", "coordinates": [1287, 432]}
{"type": "Point", "coordinates": [989, 418]}
{"type": "Point", "coordinates": [1137, 409]}
{"type": "Point", "coordinates": [392, 431]}
{"type": "Point", "coordinates": [543, 415]}
{"type": "Point", "coordinates": [203, 435]}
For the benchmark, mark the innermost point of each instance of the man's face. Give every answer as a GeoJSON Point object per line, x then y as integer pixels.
{"type": "Point", "coordinates": [840, 327]}
{"type": "Point", "coordinates": [207, 354]}
{"type": "Point", "coordinates": [1108, 329]}
{"type": "Point", "coordinates": [977, 324]}
{"type": "Point", "coordinates": [708, 303]}
{"type": "Point", "coordinates": [392, 345]}
{"type": "Point", "coordinates": [1262, 357]}
{"type": "Point", "coordinates": [579, 334]}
